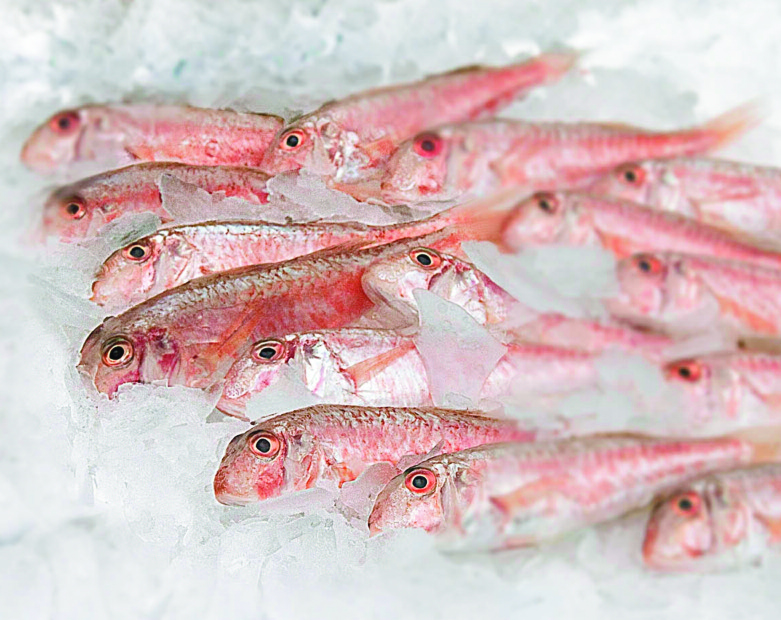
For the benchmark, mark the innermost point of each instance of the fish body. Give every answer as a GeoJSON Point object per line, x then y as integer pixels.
{"type": "Point", "coordinates": [331, 443]}
{"type": "Point", "coordinates": [191, 334]}
{"type": "Point", "coordinates": [347, 139]}
{"type": "Point", "coordinates": [511, 494]}
{"type": "Point", "coordinates": [738, 197]}
{"type": "Point", "coordinates": [723, 391]}
{"type": "Point", "coordinates": [120, 134]}
{"type": "Point", "coordinates": [82, 209]}
{"type": "Point", "coordinates": [622, 227]}
{"type": "Point", "coordinates": [684, 294]}
{"type": "Point", "coordinates": [721, 521]}
{"type": "Point", "coordinates": [477, 158]}
{"type": "Point", "coordinates": [354, 366]}
{"type": "Point", "coordinates": [177, 254]}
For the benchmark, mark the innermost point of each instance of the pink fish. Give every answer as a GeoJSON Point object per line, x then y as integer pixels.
{"type": "Point", "coordinates": [191, 334]}
{"type": "Point", "coordinates": [622, 227]}
{"type": "Point", "coordinates": [119, 134]}
{"type": "Point", "coordinates": [478, 158]}
{"type": "Point", "coordinates": [721, 521]}
{"type": "Point", "coordinates": [685, 294]}
{"type": "Point", "coordinates": [177, 254]}
{"type": "Point", "coordinates": [512, 494]}
{"type": "Point", "coordinates": [353, 366]}
{"type": "Point", "coordinates": [347, 139]}
{"type": "Point", "coordinates": [734, 196]}
{"type": "Point", "coordinates": [728, 390]}
{"type": "Point", "coordinates": [390, 282]}
{"type": "Point", "coordinates": [82, 209]}
{"type": "Point", "coordinates": [331, 443]}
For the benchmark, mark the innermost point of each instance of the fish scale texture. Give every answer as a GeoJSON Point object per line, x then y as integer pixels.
{"type": "Point", "coordinates": [106, 509]}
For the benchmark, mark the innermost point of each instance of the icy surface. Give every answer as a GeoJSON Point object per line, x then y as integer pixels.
{"type": "Point", "coordinates": [106, 509]}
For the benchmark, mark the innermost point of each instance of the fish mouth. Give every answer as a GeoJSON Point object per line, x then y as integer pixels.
{"type": "Point", "coordinates": [226, 499]}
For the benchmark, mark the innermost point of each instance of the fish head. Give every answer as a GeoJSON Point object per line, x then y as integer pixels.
{"type": "Point", "coordinates": [413, 499]}
{"type": "Point", "coordinates": [256, 370]}
{"type": "Point", "coordinates": [296, 146]}
{"type": "Point", "coordinates": [680, 530]}
{"type": "Point", "coordinates": [538, 220]}
{"type": "Point", "coordinates": [633, 181]}
{"type": "Point", "coordinates": [391, 281]}
{"type": "Point", "coordinates": [270, 459]}
{"type": "Point", "coordinates": [71, 214]}
{"type": "Point", "coordinates": [134, 269]}
{"type": "Point", "coordinates": [418, 170]}
{"type": "Point", "coordinates": [118, 352]}
{"type": "Point", "coordinates": [55, 144]}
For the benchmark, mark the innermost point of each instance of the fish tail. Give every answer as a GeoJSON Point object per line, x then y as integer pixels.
{"type": "Point", "coordinates": [765, 443]}
{"type": "Point", "coordinates": [556, 64]}
{"type": "Point", "coordinates": [484, 219]}
{"type": "Point", "coordinates": [731, 125]}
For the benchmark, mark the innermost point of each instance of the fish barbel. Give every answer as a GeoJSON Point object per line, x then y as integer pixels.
{"type": "Point", "coordinates": [684, 294]}
{"type": "Point", "coordinates": [738, 197]}
{"type": "Point", "coordinates": [82, 209]}
{"type": "Point", "coordinates": [297, 450]}
{"type": "Point", "coordinates": [477, 158]}
{"type": "Point", "coordinates": [512, 494]}
{"type": "Point", "coordinates": [191, 334]}
{"type": "Point", "coordinates": [349, 138]}
{"type": "Point", "coordinates": [721, 521]}
{"type": "Point", "coordinates": [119, 134]}
{"type": "Point", "coordinates": [176, 254]}
{"type": "Point", "coordinates": [621, 227]}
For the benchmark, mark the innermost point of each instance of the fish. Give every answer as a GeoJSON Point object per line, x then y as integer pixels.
{"type": "Point", "coordinates": [119, 134]}
{"type": "Point", "coordinates": [326, 444]}
{"type": "Point", "coordinates": [683, 295]}
{"type": "Point", "coordinates": [375, 367]}
{"type": "Point", "coordinates": [391, 282]}
{"type": "Point", "coordinates": [451, 161]}
{"type": "Point", "coordinates": [81, 210]}
{"type": "Point", "coordinates": [347, 140]}
{"type": "Point", "coordinates": [722, 391]}
{"type": "Point", "coordinates": [621, 227]}
{"type": "Point", "coordinates": [177, 254]}
{"type": "Point", "coordinates": [191, 334]}
{"type": "Point", "coordinates": [717, 522]}
{"type": "Point", "coordinates": [512, 494]}
{"type": "Point", "coordinates": [741, 198]}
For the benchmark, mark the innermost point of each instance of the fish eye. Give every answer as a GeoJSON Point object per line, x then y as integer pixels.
{"type": "Point", "coordinates": [117, 352]}
{"type": "Point", "coordinates": [632, 174]}
{"type": "Point", "coordinates": [687, 504]}
{"type": "Point", "coordinates": [265, 444]}
{"type": "Point", "coordinates": [137, 252]}
{"type": "Point", "coordinates": [292, 139]}
{"type": "Point", "coordinates": [268, 351]}
{"type": "Point", "coordinates": [688, 370]}
{"type": "Point", "coordinates": [74, 209]}
{"type": "Point", "coordinates": [547, 202]}
{"type": "Point", "coordinates": [64, 122]}
{"type": "Point", "coordinates": [648, 264]}
{"type": "Point", "coordinates": [420, 481]}
{"type": "Point", "coordinates": [428, 145]}
{"type": "Point", "coordinates": [426, 258]}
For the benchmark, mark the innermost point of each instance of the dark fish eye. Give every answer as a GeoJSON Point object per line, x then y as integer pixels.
{"type": "Point", "coordinates": [685, 504]}
{"type": "Point", "coordinates": [426, 258]}
{"type": "Point", "coordinates": [419, 482]}
{"type": "Point", "coordinates": [117, 352]}
{"type": "Point", "coordinates": [268, 351]}
{"type": "Point", "coordinates": [138, 252]}
{"type": "Point", "coordinates": [265, 444]}
{"type": "Point", "coordinates": [292, 141]}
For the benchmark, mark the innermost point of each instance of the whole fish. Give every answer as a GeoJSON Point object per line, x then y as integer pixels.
{"type": "Point", "coordinates": [728, 389]}
{"type": "Point", "coordinates": [189, 335]}
{"type": "Point", "coordinates": [452, 160]}
{"type": "Point", "coordinates": [347, 139]}
{"type": "Point", "coordinates": [390, 282]}
{"type": "Point", "coordinates": [82, 209]}
{"type": "Point", "coordinates": [720, 521]}
{"type": "Point", "coordinates": [331, 443]}
{"type": "Point", "coordinates": [354, 366]}
{"type": "Point", "coordinates": [177, 254]}
{"type": "Point", "coordinates": [119, 134]}
{"type": "Point", "coordinates": [684, 294]}
{"type": "Point", "coordinates": [734, 196]}
{"type": "Point", "coordinates": [622, 227]}
{"type": "Point", "coordinates": [512, 494]}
